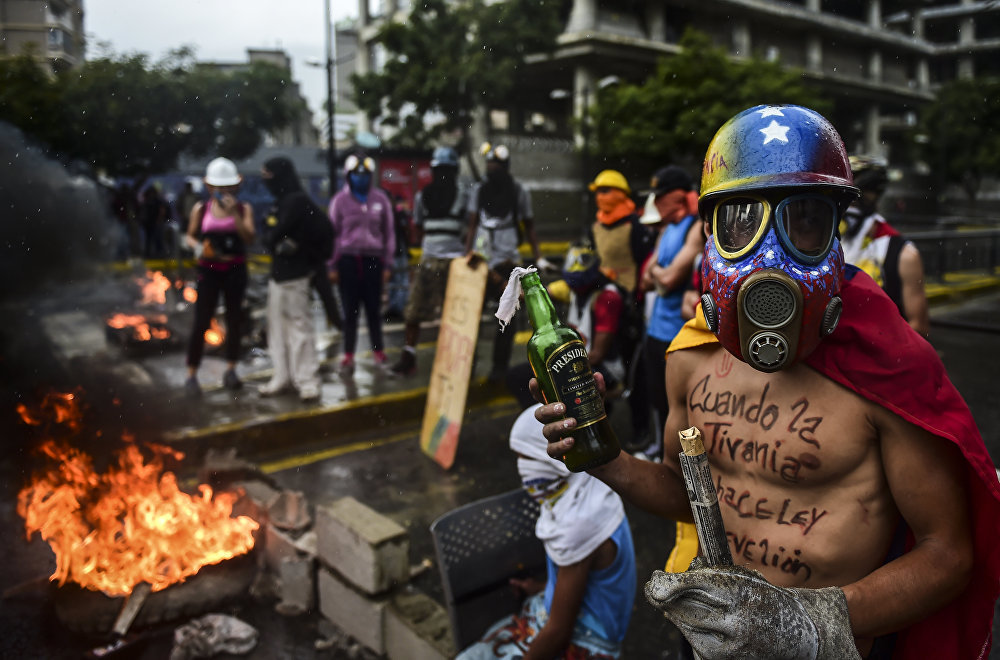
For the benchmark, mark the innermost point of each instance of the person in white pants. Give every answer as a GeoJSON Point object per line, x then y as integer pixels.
{"type": "Point", "coordinates": [291, 337]}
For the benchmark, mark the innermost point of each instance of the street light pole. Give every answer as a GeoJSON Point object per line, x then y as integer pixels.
{"type": "Point", "coordinates": [331, 111]}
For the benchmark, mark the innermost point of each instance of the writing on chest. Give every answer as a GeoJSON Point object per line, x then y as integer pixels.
{"type": "Point", "coordinates": [752, 428]}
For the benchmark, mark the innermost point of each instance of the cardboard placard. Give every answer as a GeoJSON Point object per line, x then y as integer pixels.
{"type": "Point", "coordinates": [456, 346]}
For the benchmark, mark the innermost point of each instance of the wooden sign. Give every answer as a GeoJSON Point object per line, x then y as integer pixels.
{"type": "Point", "coordinates": [456, 346]}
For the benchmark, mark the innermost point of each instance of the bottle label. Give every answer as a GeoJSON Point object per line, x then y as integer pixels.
{"type": "Point", "coordinates": [573, 382]}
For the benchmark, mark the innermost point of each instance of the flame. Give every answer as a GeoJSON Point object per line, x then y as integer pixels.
{"type": "Point", "coordinates": [139, 323]}
{"type": "Point", "coordinates": [131, 524]}
{"type": "Point", "coordinates": [214, 335]}
{"type": "Point", "coordinates": [56, 407]}
{"type": "Point", "coordinates": [190, 294]}
{"type": "Point", "coordinates": [154, 288]}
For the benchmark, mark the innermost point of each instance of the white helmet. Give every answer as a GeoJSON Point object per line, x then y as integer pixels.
{"type": "Point", "coordinates": [222, 172]}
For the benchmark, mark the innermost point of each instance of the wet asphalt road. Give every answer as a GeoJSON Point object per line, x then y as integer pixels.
{"type": "Point", "coordinates": [397, 480]}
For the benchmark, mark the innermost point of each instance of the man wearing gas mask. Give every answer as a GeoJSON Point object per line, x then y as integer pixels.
{"type": "Point", "coordinates": [860, 505]}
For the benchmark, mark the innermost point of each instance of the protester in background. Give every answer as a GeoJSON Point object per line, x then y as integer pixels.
{"type": "Point", "coordinates": [291, 334]}
{"type": "Point", "coordinates": [219, 231]}
{"type": "Point", "coordinates": [439, 214]}
{"type": "Point", "coordinates": [584, 607]}
{"type": "Point", "coordinates": [364, 247]}
{"type": "Point", "coordinates": [153, 216]}
{"type": "Point", "coordinates": [622, 243]}
{"type": "Point", "coordinates": [499, 207]}
{"type": "Point", "coordinates": [874, 246]}
{"type": "Point", "coordinates": [666, 274]}
{"type": "Point", "coordinates": [399, 283]}
{"type": "Point", "coordinates": [123, 208]}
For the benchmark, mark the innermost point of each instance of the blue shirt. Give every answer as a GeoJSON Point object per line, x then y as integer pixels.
{"type": "Point", "coordinates": [607, 602]}
{"type": "Point", "coordinates": [666, 320]}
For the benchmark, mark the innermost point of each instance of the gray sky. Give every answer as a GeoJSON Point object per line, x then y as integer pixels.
{"type": "Point", "coordinates": [220, 30]}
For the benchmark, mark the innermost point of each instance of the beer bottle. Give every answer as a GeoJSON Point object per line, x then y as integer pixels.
{"type": "Point", "coordinates": [559, 359]}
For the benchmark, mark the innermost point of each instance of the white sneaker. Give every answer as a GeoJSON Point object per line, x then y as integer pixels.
{"type": "Point", "coordinates": [309, 393]}
{"type": "Point", "coordinates": [273, 389]}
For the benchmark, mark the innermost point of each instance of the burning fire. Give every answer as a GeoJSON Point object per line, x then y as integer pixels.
{"type": "Point", "coordinates": [154, 288]}
{"type": "Point", "coordinates": [214, 335]}
{"type": "Point", "coordinates": [141, 329]}
{"type": "Point", "coordinates": [131, 524]}
{"type": "Point", "coordinates": [190, 294]}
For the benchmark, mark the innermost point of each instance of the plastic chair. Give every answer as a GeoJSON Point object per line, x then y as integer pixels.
{"type": "Point", "coordinates": [479, 547]}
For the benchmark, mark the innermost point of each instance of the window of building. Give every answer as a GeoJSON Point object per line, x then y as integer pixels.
{"type": "Point", "coordinates": [58, 40]}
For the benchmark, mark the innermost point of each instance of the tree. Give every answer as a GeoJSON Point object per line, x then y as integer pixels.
{"type": "Point", "coordinates": [673, 115]}
{"type": "Point", "coordinates": [450, 57]}
{"type": "Point", "coordinates": [962, 145]}
{"type": "Point", "coordinates": [127, 117]}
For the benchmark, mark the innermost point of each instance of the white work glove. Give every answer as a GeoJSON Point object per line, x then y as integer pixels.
{"type": "Point", "coordinates": [733, 612]}
{"type": "Point", "coordinates": [545, 264]}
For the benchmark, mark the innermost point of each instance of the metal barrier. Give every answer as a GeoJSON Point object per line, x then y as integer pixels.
{"type": "Point", "coordinates": [953, 251]}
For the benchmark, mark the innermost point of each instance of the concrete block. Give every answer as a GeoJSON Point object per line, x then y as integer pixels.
{"type": "Point", "coordinates": [279, 546]}
{"type": "Point", "coordinates": [360, 616]}
{"type": "Point", "coordinates": [257, 496]}
{"type": "Point", "coordinates": [417, 628]}
{"type": "Point", "coordinates": [296, 586]}
{"type": "Point", "coordinates": [366, 548]}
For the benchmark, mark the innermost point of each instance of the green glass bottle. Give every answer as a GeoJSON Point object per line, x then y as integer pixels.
{"type": "Point", "coordinates": [559, 359]}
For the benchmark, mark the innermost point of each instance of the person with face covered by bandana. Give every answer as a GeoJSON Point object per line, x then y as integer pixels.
{"type": "Point", "coordinates": [622, 242]}
{"type": "Point", "coordinates": [584, 607]}
{"type": "Point", "coordinates": [291, 334]}
{"type": "Point", "coordinates": [859, 502]}
{"type": "Point", "coordinates": [874, 246]}
{"type": "Point", "coordinates": [364, 249]}
{"type": "Point", "coordinates": [498, 206]}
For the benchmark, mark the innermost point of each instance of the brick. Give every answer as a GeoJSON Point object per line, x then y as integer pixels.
{"type": "Point", "coordinates": [255, 501]}
{"type": "Point", "coordinates": [360, 616]}
{"type": "Point", "coordinates": [296, 585]}
{"type": "Point", "coordinates": [366, 548]}
{"type": "Point", "coordinates": [279, 545]}
{"type": "Point", "coordinates": [417, 628]}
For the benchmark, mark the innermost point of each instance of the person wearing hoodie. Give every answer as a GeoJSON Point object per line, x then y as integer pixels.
{"type": "Point", "coordinates": [291, 339]}
{"type": "Point", "coordinates": [363, 252]}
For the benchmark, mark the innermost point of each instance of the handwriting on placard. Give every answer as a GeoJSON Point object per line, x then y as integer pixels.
{"type": "Point", "coordinates": [782, 512]}
{"type": "Point", "coordinates": [762, 551]}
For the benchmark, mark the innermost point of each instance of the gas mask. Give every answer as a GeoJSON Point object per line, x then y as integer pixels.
{"type": "Point", "coordinates": [772, 274]}
{"type": "Point", "coordinates": [774, 185]}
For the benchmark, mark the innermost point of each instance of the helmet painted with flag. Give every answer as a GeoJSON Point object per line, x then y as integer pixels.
{"type": "Point", "coordinates": [775, 182]}
{"type": "Point", "coordinates": [582, 268]}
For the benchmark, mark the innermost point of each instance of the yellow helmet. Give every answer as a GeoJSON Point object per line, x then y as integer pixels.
{"type": "Point", "coordinates": [610, 179]}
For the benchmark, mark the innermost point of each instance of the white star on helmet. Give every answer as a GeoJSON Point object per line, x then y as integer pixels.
{"type": "Point", "coordinates": [775, 131]}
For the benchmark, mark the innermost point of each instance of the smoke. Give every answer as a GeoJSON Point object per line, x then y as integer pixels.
{"type": "Point", "coordinates": [55, 227]}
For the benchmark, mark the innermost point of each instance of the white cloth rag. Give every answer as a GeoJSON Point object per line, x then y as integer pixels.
{"type": "Point", "coordinates": [510, 300]}
{"type": "Point", "coordinates": [578, 511]}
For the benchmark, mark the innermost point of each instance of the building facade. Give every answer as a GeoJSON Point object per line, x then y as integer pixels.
{"type": "Point", "coordinates": [878, 61]}
{"type": "Point", "coordinates": [49, 30]}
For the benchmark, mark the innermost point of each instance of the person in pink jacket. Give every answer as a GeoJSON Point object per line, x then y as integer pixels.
{"type": "Point", "coordinates": [364, 244]}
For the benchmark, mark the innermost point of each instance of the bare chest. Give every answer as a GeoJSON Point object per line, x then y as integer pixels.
{"type": "Point", "coordinates": [796, 465]}
{"type": "Point", "coordinates": [790, 428]}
